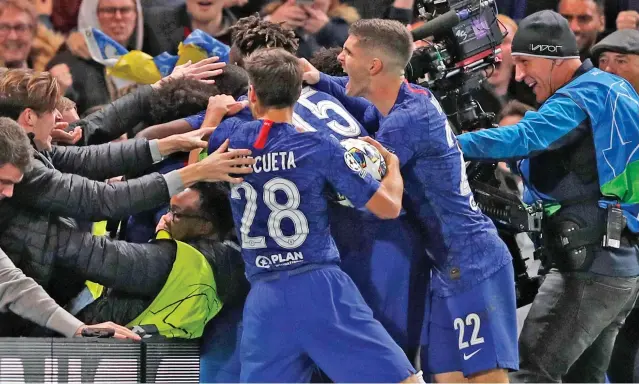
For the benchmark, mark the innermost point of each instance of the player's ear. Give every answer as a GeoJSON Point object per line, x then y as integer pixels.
{"type": "Point", "coordinates": [376, 66]}
{"type": "Point", "coordinates": [252, 96]}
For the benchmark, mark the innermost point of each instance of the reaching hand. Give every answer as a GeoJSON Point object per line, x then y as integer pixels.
{"type": "Point", "coordinates": [77, 45]}
{"type": "Point", "coordinates": [59, 135]}
{"type": "Point", "coordinates": [201, 70]}
{"type": "Point", "coordinates": [185, 142]}
{"type": "Point", "coordinates": [120, 331]}
{"type": "Point", "coordinates": [311, 74]}
{"type": "Point", "coordinates": [220, 106]}
{"type": "Point", "coordinates": [219, 165]}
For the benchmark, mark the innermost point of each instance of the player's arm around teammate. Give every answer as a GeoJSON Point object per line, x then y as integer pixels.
{"type": "Point", "coordinates": [414, 126]}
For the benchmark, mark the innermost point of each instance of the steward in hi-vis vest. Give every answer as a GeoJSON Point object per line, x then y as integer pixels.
{"type": "Point", "coordinates": [201, 272]}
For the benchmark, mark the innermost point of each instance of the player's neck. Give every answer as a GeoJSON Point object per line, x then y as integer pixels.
{"type": "Point", "coordinates": [383, 93]}
{"type": "Point", "coordinates": [278, 115]}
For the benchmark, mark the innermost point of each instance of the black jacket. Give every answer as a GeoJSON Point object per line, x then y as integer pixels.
{"type": "Point", "coordinates": [122, 305]}
{"type": "Point", "coordinates": [36, 230]}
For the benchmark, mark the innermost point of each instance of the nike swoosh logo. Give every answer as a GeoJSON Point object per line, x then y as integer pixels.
{"type": "Point", "coordinates": [466, 357]}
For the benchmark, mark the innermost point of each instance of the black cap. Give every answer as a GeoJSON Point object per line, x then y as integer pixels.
{"type": "Point", "coordinates": [622, 41]}
{"type": "Point", "coordinates": [545, 34]}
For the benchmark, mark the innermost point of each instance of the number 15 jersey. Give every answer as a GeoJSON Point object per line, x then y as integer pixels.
{"type": "Point", "coordinates": [281, 209]}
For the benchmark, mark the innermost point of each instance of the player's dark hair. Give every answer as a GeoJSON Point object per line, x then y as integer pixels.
{"type": "Point", "coordinates": [179, 98]}
{"type": "Point", "coordinates": [251, 33]}
{"type": "Point", "coordinates": [215, 205]}
{"type": "Point", "coordinates": [276, 76]}
{"type": "Point", "coordinates": [325, 60]}
{"type": "Point", "coordinates": [233, 81]}
{"type": "Point", "coordinates": [514, 108]}
{"type": "Point", "coordinates": [183, 97]}
{"type": "Point", "coordinates": [389, 36]}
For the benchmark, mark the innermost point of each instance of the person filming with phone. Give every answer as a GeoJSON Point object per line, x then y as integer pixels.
{"type": "Point", "coordinates": [317, 23]}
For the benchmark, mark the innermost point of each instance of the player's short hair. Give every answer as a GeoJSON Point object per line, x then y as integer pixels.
{"type": "Point", "coordinates": [23, 88]}
{"type": "Point", "coordinates": [514, 108]}
{"type": "Point", "coordinates": [251, 33]}
{"type": "Point", "coordinates": [15, 148]}
{"type": "Point", "coordinates": [179, 98]}
{"type": "Point", "coordinates": [233, 81]}
{"type": "Point", "coordinates": [276, 76]}
{"type": "Point", "coordinates": [64, 104]}
{"type": "Point", "coordinates": [183, 97]}
{"type": "Point", "coordinates": [325, 60]}
{"type": "Point", "coordinates": [390, 37]}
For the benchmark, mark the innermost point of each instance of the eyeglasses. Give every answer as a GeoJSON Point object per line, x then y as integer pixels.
{"type": "Point", "coordinates": [111, 11]}
{"type": "Point", "coordinates": [20, 29]}
{"type": "Point", "coordinates": [180, 215]}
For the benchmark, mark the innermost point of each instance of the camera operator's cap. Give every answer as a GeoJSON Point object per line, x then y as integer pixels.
{"type": "Point", "coordinates": [624, 41]}
{"type": "Point", "coordinates": [545, 34]}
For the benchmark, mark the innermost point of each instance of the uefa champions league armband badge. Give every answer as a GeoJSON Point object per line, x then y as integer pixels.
{"type": "Point", "coordinates": [362, 158]}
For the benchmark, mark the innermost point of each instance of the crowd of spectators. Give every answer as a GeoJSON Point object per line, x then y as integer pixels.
{"type": "Point", "coordinates": [91, 205]}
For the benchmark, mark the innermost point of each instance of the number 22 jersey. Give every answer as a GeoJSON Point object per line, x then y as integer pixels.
{"type": "Point", "coordinates": [281, 209]}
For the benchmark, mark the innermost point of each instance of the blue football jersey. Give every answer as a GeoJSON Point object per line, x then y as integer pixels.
{"type": "Point", "coordinates": [314, 111]}
{"type": "Point", "coordinates": [280, 210]}
{"type": "Point", "coordinates": [463, 241]}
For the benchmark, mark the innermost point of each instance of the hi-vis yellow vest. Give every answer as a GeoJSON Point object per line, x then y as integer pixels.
{"type": "Point", "coordinates": [188, 300]}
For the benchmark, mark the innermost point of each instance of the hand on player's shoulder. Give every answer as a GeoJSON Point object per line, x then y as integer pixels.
{"type": "Point", "coordinates": [220, 106]}
{"type": "Point", "coordinates": [224, 162]}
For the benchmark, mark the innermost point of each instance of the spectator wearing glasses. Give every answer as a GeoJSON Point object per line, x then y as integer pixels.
{"type": "Point", "coordinates": [90, 85]}
{"type": "Point", "coordinates": [24, 42]}
{"type": "Point", "coordinates": [198, 264]}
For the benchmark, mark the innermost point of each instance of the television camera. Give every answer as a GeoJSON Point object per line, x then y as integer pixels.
{"type": "Point", "coordinates": [459, 42]}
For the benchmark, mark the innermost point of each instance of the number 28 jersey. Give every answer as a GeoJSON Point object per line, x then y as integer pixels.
{"type": "Point", "coordinates": [280, 210]}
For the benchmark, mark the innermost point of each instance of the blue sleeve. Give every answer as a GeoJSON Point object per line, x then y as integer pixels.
{"type": "Point", "coordinates": [195, 121]}
{"type": "Point", "coordinates": [347, 177]}
{"type": "Point", "coordinates": [336, 87]}
{"type": "Point", "coordinates": [221, 133]}
{"type": "Point", "coordinates": [224, 131]}
{"type": "Point", "coordinates": [395, 134]}
{"type": "Point", "coordinates": [556, 124]}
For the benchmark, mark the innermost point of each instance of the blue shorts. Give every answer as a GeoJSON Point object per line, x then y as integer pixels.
{"type": "Point", "coordinates": [314, 317]}
{"type": "Point", "coordinates": [475, 330]}
{"type": "Point", "coordinates": [387, 262]}
{"type": "Point", "coordinates": [220, 347]}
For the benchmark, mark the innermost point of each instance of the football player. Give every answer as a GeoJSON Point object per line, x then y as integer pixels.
{"type": "Point", "coordinates": [302, 308]}
{"type": "Point", "coordinates": [385, 258]}
{"type": "Point", "coordinates": [471, 331]}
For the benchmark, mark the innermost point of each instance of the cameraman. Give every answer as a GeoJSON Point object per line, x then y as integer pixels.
{"type": "Point", "coordinates": [583, 175]}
